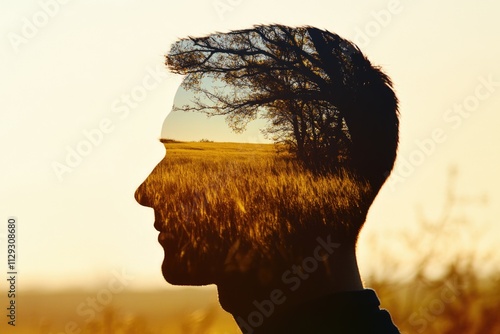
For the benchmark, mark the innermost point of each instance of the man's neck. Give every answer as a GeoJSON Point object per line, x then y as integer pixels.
{"type": "Point", "coordinates": [253, 305]}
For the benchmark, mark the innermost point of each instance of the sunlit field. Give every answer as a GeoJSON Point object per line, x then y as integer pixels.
{"type": "Point", "coordinates": [163, 311]}
{"type": "Point", "coordinates": [255, 194]}
{"type": "Point", "coordinates": [208, 183]}
{"type": "Point", "coordinates": [457, 303]}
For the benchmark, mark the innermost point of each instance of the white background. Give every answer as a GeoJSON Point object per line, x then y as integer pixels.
{"type": "Point", "coordinates": [67, 73]}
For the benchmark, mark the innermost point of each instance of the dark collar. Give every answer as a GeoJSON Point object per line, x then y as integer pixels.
{"type": "Point", "coordinates": [344, 312]}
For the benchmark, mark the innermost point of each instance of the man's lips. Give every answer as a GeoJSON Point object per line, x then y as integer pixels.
{"type": "Point", "coordinates": [158, 225]}
{"type": "Point", "coordinates": [163, 236]}
{"type": "Point", "coordinates": [159, 222]}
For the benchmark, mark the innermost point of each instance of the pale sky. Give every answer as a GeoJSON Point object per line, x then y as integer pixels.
{"type": "Point", "coordinates": [87, 65]}
{"type": "Point", "coordinates": [195, 126]}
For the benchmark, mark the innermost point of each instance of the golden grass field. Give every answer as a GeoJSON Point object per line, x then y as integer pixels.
{"type": "Point", "coordinates": [224, 192]}
{"type": "Point", "coordinates": [458, 303]}
{"type": "Point", "coordinates": [459, 300]}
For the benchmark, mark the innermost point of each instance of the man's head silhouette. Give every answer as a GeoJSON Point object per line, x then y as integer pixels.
{"type": "Point", "coordinates": [273, 222]}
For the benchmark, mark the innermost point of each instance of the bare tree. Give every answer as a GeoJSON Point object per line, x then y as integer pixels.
{"type": "Point", "coordinates": [319, 93]}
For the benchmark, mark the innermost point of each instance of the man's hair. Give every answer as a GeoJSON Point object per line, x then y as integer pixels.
{"type": "Point", "coordinates": [318, 69]}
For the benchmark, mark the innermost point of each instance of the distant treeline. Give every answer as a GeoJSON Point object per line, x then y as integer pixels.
{"type": "Point", "coordinates": [169, 140]}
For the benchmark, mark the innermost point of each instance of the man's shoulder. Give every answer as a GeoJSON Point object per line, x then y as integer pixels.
{"type": "Point", "coordinates": [356, 312]}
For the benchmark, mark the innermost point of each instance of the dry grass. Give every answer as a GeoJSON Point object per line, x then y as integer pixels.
{"type": "Point", "coordinates": [186, 311]}
{"type": "Point", "coordinates": [448, 291]}
{"type": "Point", "coordinates": [458, 300]}
{"type": "Point", "coordinates": [225, 192]}
{"type": "Point", "coordinates": [458, 303]}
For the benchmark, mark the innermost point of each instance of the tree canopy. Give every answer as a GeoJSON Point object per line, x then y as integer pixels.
{"type": "Point", "coordinates": [319, 93]}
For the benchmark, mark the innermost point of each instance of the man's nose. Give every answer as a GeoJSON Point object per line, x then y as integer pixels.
{"type": "Point", "coordinates": [141, 196]}
{"type": "Point", "coordinates": [147, 191]}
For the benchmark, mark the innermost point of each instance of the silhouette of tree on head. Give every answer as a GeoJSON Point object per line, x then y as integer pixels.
{"type": "Point", "coordinates": [319, 93]}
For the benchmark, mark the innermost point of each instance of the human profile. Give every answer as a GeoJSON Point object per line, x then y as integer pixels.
{"type": "Point", "coordinates": [275, 226]}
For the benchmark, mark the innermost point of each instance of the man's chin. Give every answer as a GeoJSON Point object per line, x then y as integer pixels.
{"type": "Point", "coordinates": [180, 275]}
